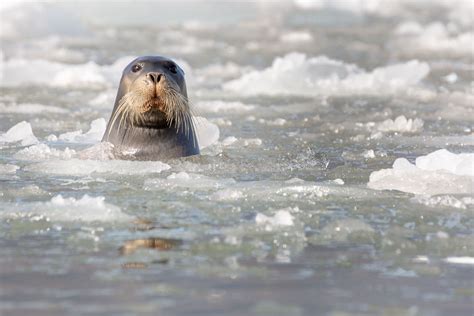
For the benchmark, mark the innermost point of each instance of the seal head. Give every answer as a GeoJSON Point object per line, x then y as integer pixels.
{"type": "Point", "coordinates": [151, 119]}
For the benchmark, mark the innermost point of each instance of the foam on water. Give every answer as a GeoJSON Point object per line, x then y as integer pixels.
{"type": "Point", "coordinates": [297, 74]}
{"type": "Point", "coordinates": [60, 209]}
{"type": "Point", "coordinates": [440, 172]}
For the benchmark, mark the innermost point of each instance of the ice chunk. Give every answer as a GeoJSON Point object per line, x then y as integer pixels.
{"type": "Point", "coordinates": [21, 132]}
{"type": "Point", "coordinates": [219, 106]}
{"type": "Point", "coordinates": [296, 74]}
{"type": "Point", "coordinates": [440, 172]}
{"type": "Point", "coordinates": [460, 260]}
{"type": "Point", "coordinates": [280, 218]}
{"type": "Point", "coordinates": [296, 36]}
{"type": "Point", "coordinates": [43, 151]}
{"type": "Point", "coordinates": [187, 180]}
{"type": "Point", "coordinates": [227, 195]}
{"type": "Point", "coordinates": [207, 132]}
{"type": "Point", "coordinates": [344, 230]}
{"type": "Point", "coordinates": [432, 38]}
{"type": "Point", "coordinates": [43, 72]}
{"type": "Point", "coordinates": [401, 124]}
{"type": "Point", "coordinates": [444, 200]}
{"type": "Point", "coordinates": [8, 169]}
{"type": "Point", "coordinates": [93, 135]}
{"type": "Point", "coordinates": [85, 209]}
{"type": "Point", "coordinates": [86, 167]}
{"type": "Point", "coordinates": [459, 164]}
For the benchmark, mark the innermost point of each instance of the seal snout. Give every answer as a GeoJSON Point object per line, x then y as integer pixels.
{"type": "Point", "coordinates": [154, 77]}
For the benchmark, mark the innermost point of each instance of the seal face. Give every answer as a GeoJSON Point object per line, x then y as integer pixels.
{"type": "Point", "coordinates": [151, 119]}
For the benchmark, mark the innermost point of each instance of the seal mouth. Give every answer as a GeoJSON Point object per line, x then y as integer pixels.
{"type": "Point", "coordinates": [152, 114]}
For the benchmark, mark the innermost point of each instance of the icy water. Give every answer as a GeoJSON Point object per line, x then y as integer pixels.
{"type": "Point", "coordinates": [336, 174]}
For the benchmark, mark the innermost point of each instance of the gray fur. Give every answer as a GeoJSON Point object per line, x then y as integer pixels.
{"type": "Point", "coordinates": [150, 142]}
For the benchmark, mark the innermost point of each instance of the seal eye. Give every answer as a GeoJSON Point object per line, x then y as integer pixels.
{"type": "Point", "coordinates": [173, 68]}
{"type": "Point", "coordinates": [136, 67]}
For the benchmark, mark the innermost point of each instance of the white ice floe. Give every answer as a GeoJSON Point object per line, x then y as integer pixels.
{"type": "Point", "coordinates": [43, 152]}
{"type": "Point", "coordinates": [401, 124]}
{"type": "Point", "coordinates": [433, 38]}
{"type": "Point", "coordinates": [8, 169]}
{"type": "Point", "coordinates": [187, 180]}
{"type": "Point", "coordinates": [84, 209]}
{"type": "Point", "coordinates": [21, 132]}
{"type": "Point", "coordinates": [233, 141]}
{"type": "Point", "coordinates": [219, 106]}
{"type": "Point", "coordinates": [78, 167]}
{"type": "Point", "coordinates": [444, 200]}
{"type": "Point", "coordinates": [207, 132]}
{"type": "Point", "coordinates": [30, 108]}
{"type": "Point", "coordinates": [20, 71]}
{"type": "Point", "coordinates": [280, 218]}
{"type": "Point", "coordinates": [460, 260]}
{"type": "Point", "coordinates": [93, 135]}
{"type": "Point", "coordinates": [440, 172]}
{"type": "Point", "coordinates": [227, 195]}
{"type": "Point", "coordinates": [297, 74]}
{"type": "Point", "coordinates": [296, 37]}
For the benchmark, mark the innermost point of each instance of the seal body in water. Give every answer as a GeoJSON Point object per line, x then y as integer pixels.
{"type": "Point", "coordinates": [151, 119]}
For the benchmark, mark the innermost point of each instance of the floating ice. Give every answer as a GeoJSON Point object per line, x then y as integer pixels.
{"type": "Point", "coordinates": [20, 132]}
{"type": "Point", "coordinates": [187, 180]}
{"type": "Point", "coordinates": [401, 124]}
{"type": "Point", "coordinates": [207, 132]}
{"type": "Point", "coordinates": [444, 200]}
{"type": "Point", "coordinates": [296, 74]}
{"type": "Point", "coordinates": [440, 172]}
{"type": "Point", "coordinates": [80, 167]}
{"type": "Point", "coordinates": [85, 209]}
{"type": "Point", "coordinates": [93, 135]}
{"type": "Point", "coordinates": [43, 151]}
{"type": "Point", "coordinates": [432, 38]}
{"type": "Point", "coordinates": [219, 106]}
{"type": "Point", "coordinates": [227, 195]}
{"type": "Point", "coordinates": [30, 108]}
{"type": "Point", "coordinates": [8, 169]}
{"type": "Point", "coordinates": [280, 218]}
{"type": "Point", "coordinates": [296, 36]}
{"type": "Point", "coordinates": [43, 72]}
{"type": "Point", "coordinates": [460, 260]}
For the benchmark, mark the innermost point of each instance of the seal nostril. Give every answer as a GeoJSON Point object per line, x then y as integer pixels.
{"type": "Point", "coordinates": [154, 76]}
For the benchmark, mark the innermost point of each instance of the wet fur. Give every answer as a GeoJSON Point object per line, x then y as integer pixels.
{"type": "Point", "coordinates": [152, 122]}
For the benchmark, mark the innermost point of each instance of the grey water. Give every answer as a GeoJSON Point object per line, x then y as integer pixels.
{"type": "Point", "coordinates": [273, 218]}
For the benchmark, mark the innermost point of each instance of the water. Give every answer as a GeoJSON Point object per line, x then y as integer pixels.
{"type": "Point", "coordinates": [295, 206]}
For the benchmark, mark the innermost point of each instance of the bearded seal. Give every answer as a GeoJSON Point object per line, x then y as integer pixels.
{"type": "Point", "coordinates": [151, 118]}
